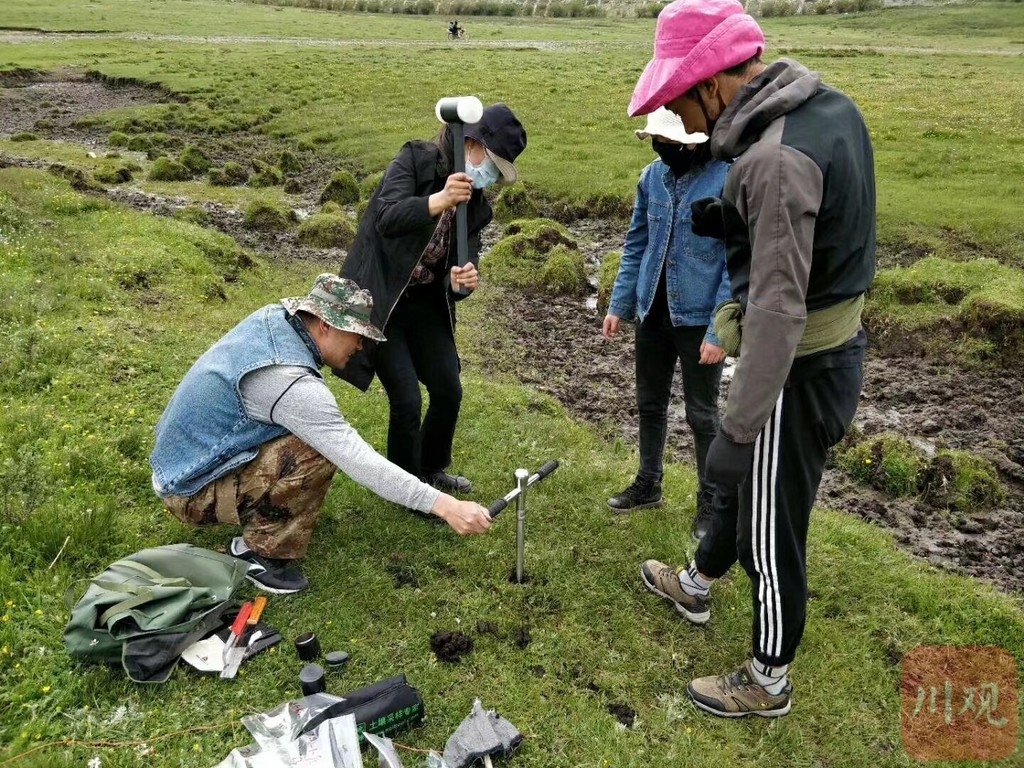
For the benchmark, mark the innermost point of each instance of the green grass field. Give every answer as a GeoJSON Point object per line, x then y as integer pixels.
{"type": "Point", "coordinates": [102, 309]}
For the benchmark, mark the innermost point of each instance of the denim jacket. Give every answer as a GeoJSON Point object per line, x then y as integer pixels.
{"type": "Point", "coordinates": [696, 277]}
{"type": "Point", "coordinates": [205, 432]}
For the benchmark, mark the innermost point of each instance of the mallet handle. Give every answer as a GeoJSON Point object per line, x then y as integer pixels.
{"type": "Point", "coordinates": [461, 226]}
{"type": "Point", "coordinates": [536, 477]}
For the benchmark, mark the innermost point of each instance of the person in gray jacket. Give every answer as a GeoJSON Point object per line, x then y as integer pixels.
{"type": "Point", "coordinates": [252, 435]}
{"type": "Point", "coordinates": [798, 218]}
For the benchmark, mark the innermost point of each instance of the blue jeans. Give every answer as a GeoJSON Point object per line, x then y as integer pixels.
{"type": "Point", "coordinates": [659, 345]}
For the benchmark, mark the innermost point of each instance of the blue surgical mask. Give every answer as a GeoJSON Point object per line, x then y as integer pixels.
{"type": "Point", "coordinates": [483, 175]}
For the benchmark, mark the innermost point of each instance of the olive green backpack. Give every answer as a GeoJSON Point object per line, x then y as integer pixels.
{"type": "Point", "coordinates": [147, 608]}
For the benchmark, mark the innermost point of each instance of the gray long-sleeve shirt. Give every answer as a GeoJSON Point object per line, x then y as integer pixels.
{"type": "Point", "coordinates": [302, 403]}
{"type": "Point", "coordinates": [292, 397]}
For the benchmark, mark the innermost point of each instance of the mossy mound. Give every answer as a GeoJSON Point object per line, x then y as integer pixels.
{"type": "Point", "coordinates": [514, 202]}
{"type": "Point", "coordinates": [166, 169]}
{"type": "Point", "coordinates": [606, 280]}
{"type": "Point", "coordinates": [342, 189]}
{"type": "Point", "coordinates": [327, 230]}
{"type": "Point", "coordinates": [25, 136]}
{"type": "Point", "coordinates": [954, 480]}
{"type": "Point", "coordinates": [520, 260]}
{"type": "Point", "coordinates": [961, 482]}
{"type": "Point", "coordinates": [564, 273]}
{"type": "Point", "coordinates": [265, 175]}
{"type": "Point", "coordinates": [195, 160]}
{"type": "Point", "coordinates": [231, 175]}
{"type": "Point", "coordinates": [369, 185]}
{"type": "Point", "coordinates": [542, 230]}
{"type": "Point", "coordinates": [971, 311]}
{"type": "Point", "coordinates": [265, 216]}
{"type": "Point", "coordinates": [113, 174]}
{"type": "Point", "coordinates": [118, 139]}
{"type": "Point", "coordinates": [79, 180]}
{"type": "Point", "coordinates": [888, 463]}
{"type": "Point", "coordinates": [331, 207]}
{"type": "Point", "coordinates": [289, 163]}
{"type": "Point", "coordinates": [292, 186]}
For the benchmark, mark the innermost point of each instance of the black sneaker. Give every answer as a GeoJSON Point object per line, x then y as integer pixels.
{"type": "Point", "coordinates": [449, 483]}
{"type": "Point", "coordinates": [640, 495]}
{"type": "Point", "coordinates": [705, 511]}
{"type": "Point", "coordinates": [280, 577]}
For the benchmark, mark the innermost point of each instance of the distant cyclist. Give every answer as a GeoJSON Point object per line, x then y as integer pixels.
{"type": "Point", "coordinates": [455, 31]}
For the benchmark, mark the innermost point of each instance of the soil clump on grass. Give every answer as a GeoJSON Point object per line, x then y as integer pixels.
{"type": "Point", "coordinates": [450, 647]}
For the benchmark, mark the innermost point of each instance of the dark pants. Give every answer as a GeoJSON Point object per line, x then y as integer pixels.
{"type": "Point", "coordinates": [658, 346]}
{"type": "Point", "coordinates": [765, 526]}
{"type": "Point", "coordinates": [420, 348]}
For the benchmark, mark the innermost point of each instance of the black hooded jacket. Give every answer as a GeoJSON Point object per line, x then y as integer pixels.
{"type": "Point", "coordinates": [392, 234]}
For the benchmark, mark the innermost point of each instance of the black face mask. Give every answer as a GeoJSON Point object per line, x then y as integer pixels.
{"type": "Point", "coordinates": [678, 157]}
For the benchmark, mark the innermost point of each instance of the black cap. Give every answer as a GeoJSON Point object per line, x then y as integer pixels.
{"type": "Point", "coordinates": [336, 659]}
{"type": "Point", "coordinates": [504, 137]}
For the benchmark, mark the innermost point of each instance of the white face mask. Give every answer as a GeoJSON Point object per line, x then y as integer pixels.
{"type": "Point", "coordinates": [483, 175]}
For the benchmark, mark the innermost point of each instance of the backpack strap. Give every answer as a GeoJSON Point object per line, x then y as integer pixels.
{"type": "Point", "coordinates": [145, 570]}
{"type": "Point", "coordinates": [143, 596]}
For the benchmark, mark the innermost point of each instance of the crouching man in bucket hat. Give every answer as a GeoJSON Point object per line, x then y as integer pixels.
{"type": "Point", "coordinates": [798, 218]}
{"type": "Point", "coordinates": [252, 435]}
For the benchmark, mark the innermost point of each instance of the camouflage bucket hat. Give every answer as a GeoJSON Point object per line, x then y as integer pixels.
{"type": "Point", "coordinates": [340, 303]}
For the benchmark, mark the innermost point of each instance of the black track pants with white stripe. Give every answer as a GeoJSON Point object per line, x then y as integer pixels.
{"type": "Point", "coordinates": [765, 526]}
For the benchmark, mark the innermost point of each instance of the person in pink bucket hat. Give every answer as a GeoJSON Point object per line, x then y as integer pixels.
{"type": "Point", "coordinates": [797, 215]}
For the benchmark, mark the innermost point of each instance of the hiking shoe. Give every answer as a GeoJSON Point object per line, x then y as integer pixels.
{"type": "Point", "coordinates": [640, 495]}
{"type": "Point", "coordinates": [702, 521]}
{"type": "Point", "coordinates": [449, 483]}
{"type": "Point", "coordinates": [738, 695]}
{"type": "Point", "coordinates": [663, 580]}
{"type": "Point", "coordinates": [277, 576]}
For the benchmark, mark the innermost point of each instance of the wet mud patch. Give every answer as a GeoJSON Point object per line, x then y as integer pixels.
{"type": "Point", "coordinates": [49, 104]}
{"type": "Point", "coordinates": [555, 346]}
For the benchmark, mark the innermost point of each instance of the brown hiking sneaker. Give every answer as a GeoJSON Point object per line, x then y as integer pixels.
{"type": "Point", "coordinates": [738, 695]}
{"type": "Point", "coordinates": [663, 580]}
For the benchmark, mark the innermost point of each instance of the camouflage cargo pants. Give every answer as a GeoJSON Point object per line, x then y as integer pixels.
{"type": "Point", "coordinates": [276, 498]}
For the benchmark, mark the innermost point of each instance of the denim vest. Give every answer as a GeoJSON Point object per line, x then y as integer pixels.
{"type": "Point", "coordinates": [205, 433]}
{"type": "Point", "coordinates": [695, 274]}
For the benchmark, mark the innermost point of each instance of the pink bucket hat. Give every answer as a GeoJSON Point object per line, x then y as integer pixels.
{"type": "Point", "coordinates": [694, 41]}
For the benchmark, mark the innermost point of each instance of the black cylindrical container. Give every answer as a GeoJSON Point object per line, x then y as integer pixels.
{"type": "Point", "coordinates": [311, 678]}
{"type": "Point", "coordinates": [336, 660]}
{"type": "Point", "coordinates": [307, 645]}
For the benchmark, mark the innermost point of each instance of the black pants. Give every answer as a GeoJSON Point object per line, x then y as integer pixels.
{"type": "Point", "coordinates": [420, 348]}
{"type": "Point", "coordinates": [659, 345]}
{"type": "Point", "coordinates": [765, 525]}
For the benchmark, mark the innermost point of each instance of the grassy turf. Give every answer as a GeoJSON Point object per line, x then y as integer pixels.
{"type": "Point", "coordinates": [945, 161]}
{"type": "Point", "coordinates": [95, 345]}
{"type": "Point", "coordinates": [100, 313]}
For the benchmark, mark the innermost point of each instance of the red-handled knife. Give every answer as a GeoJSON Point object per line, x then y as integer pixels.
{"type": "Point", "coordinates": [237, 628]}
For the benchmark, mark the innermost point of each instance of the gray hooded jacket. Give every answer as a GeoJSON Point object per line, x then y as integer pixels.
{"type": "Point", "coordinates": [799, 205]}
